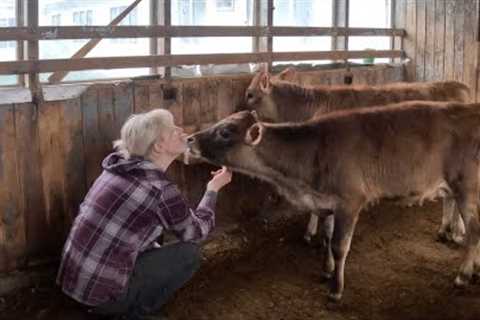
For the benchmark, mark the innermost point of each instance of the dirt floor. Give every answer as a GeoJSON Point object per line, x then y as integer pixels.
{"type": "Point", "coordinates": [396, 270]}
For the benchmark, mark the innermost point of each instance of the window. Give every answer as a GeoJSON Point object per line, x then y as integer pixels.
{"type": "Point", "coordinates": [83, 18]}
{"type": "Point", "coordinates": [7, 22]}
{"type": "Point", "coordinates": [93, 12]}
{"type": "Point", "coordinates": [205, 12]}
{"type": "Point", "coordinates": [129, 20]}
{"type": "Point", "coordinates": [225, 5]}
{"type": "Point", "coordinates": [56, 19]}
{"type": "Point", "coordinates": [375, 15]}
{"type": "Point", "coordinates": [8, 49]}
{"type": "Point", "coordinates": [302, 13]}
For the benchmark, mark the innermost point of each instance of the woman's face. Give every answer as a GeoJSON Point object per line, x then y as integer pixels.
{"type": "Point", "coordinates": [174, 140]}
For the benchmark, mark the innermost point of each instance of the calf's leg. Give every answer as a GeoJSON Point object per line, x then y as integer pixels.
{"type": "Point", "coordinates": [467, 204]}
{"type": "Point", "coordinates": [312, 228]}
{"type": "Point", "coordinates": [452, 228]}
{"type": "Point", "coordinates": [345, 222]}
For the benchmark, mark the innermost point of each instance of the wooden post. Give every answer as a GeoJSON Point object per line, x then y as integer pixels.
{"type": "Point", "coordinates": [20, 15]}
{"type": "Point", "coordinates": [165, 46]}
{"type": "Point", "coordinates": [393, 18]}
{"type": "Point", "coordinates": [270, 9]}
{"type": "Point", "coordinates": [340, 20]}
{"type": "Point", "coordinates": [58, 76]}
{"type": "Point", "coordinates": [257, 21]}
{"type": "Point", "coordinates": [33, 53]}
{"type": "Point", "coordinates": [154, 40]}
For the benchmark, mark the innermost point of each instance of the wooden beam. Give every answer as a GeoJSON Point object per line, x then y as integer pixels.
{"type": "Point", "coordinates": [33, 53]}
{"type": "Point", "coordinates": [16, 67]}
{"type": "Point", "coordinates": [106, 32]}
{"type": "Point", "coordinates": [58, 76]}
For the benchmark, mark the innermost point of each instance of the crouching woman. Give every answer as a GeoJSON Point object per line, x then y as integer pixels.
{"type": "Point", "coordinates": [111, 260]}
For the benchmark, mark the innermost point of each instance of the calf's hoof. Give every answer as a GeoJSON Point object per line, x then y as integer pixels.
{"type": "Point", "coordinates": [307, 238]}
{"type": "Point", "coordinates": [442, 236]}
{"type": "Point", "coordinates": [461, 281]}
{"type": "Point", "coordinates": [458, 239]}
{"type": "Point", "coordinates": [326, 275]}
{"type": "Point", "coordinates": [334, 297]}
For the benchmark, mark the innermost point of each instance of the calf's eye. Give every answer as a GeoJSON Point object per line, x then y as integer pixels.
{"type": "Point", "coordinates": [225, 133]}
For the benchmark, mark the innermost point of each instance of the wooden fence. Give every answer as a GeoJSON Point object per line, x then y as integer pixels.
{"type": "Point", "coordinates": [50, 153]}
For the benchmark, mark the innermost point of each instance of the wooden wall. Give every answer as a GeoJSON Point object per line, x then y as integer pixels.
{"type": "Point", "coordinates": [441, 39]}
{"type": "Point", "coordinates": [50, 154]}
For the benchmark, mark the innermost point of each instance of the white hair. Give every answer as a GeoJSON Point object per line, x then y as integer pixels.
{"type": "Point", "coordinates": [140, 132]}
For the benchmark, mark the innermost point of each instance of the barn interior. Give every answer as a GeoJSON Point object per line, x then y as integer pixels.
{"type": "Point", "coordinates": [72, 71]}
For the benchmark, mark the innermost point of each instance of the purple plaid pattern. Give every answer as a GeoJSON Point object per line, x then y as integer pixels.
{"type": "Point", "coordinates": [126, 209]}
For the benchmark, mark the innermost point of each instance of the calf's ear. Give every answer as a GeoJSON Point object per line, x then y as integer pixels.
{"type": "Point", "coordinates": [287, 74]}
{"type": "Point", "coordinates": [254, 134]}
{"type": "Point", "coordinates": [265, 85]}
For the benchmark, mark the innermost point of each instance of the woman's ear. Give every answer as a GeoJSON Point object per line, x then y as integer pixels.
{"type": "Point", "coordinates": [254, 134]}
{"type": "Point", "coordinates": [157, 147]}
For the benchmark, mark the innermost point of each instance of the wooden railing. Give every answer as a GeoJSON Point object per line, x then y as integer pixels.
{"type": "Point", "coordinates": [263, 36]}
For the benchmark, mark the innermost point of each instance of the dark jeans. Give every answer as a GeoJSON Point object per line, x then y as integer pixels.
{"type": "Point", "coordinates": [158, 273]}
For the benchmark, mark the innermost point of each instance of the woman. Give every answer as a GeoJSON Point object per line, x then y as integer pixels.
{"type": "Point", "coordinates": [110, 260]}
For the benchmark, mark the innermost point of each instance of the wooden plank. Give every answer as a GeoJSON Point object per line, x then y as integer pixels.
{"type": "Point", "coordinates": [449, 40]}
{"type": "Point", "coordinates": [191, 105]}
{"type": "Point", "coordinates": [439, 45]}
{"type": "Point", "coordinates": [75, 170]}
{"type": "Point", "coordinates": [33, 53]}
{"type": "Point", "coordinates": [173, 100]}
{"type": "Point", "coordinates": [83, 51]}
{"type": "Point", "coordinates": [225, 104]}
{"type": "Point", "coordinates": [31, 179]}
{"type": "Point", "coordinates": [123, 103]}
{"type": "Point", "coordinates": [52, 166]}
{"type": "Point", "coordinates": [470, 42]}
{"type": "Point", "coordinates": [155, 95]}
{"type": "Point", "coordinates": [15, 67]}
{"type": "Point", "coordinates": [459, 40]}
{"type": "Point", "coordinates": [91, 136]}
{"type": "Point", "coordinates": [106, 116]}
{"type": "Point", "coordinates": [108, 32]}
{"type": "Point", "coordinates": [430, 40]}
{"type": "Point", "coordinates": [208, 101]}
{"type": "Point", "coordinates": [141, 97]}
{"type": "Point", "coordinates": [12, 223]}
{"type": "Point", "coordinates": [400, 21]}
{"type": "Point", "coordinates": [421, 40]}
{"type": "Point", "coordinates": [239, 87]}
{"type": "Point", "coordinates": [410, 41]}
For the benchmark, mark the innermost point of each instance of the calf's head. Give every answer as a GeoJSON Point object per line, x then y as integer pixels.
{"type": "Point", "coordinates": [259, 97]}
{"type": "Point", "coordinates": [229, 142]}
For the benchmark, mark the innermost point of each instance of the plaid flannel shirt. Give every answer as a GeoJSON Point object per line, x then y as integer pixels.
{"type": "Point", "coordinates": [124, 212]}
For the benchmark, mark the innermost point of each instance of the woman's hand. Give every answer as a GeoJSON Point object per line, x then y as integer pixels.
{"type": "Point", "coordinates": [220, 179]}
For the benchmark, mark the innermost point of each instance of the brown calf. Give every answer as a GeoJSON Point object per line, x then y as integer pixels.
{"type": "Point", "coordinates": [413, 151]}
{"type": "Point", "coordinates": [276, 100]}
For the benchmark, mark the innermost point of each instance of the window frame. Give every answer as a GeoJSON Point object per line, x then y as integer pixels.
{"type": "Point", "coordinates": [163, 14]}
